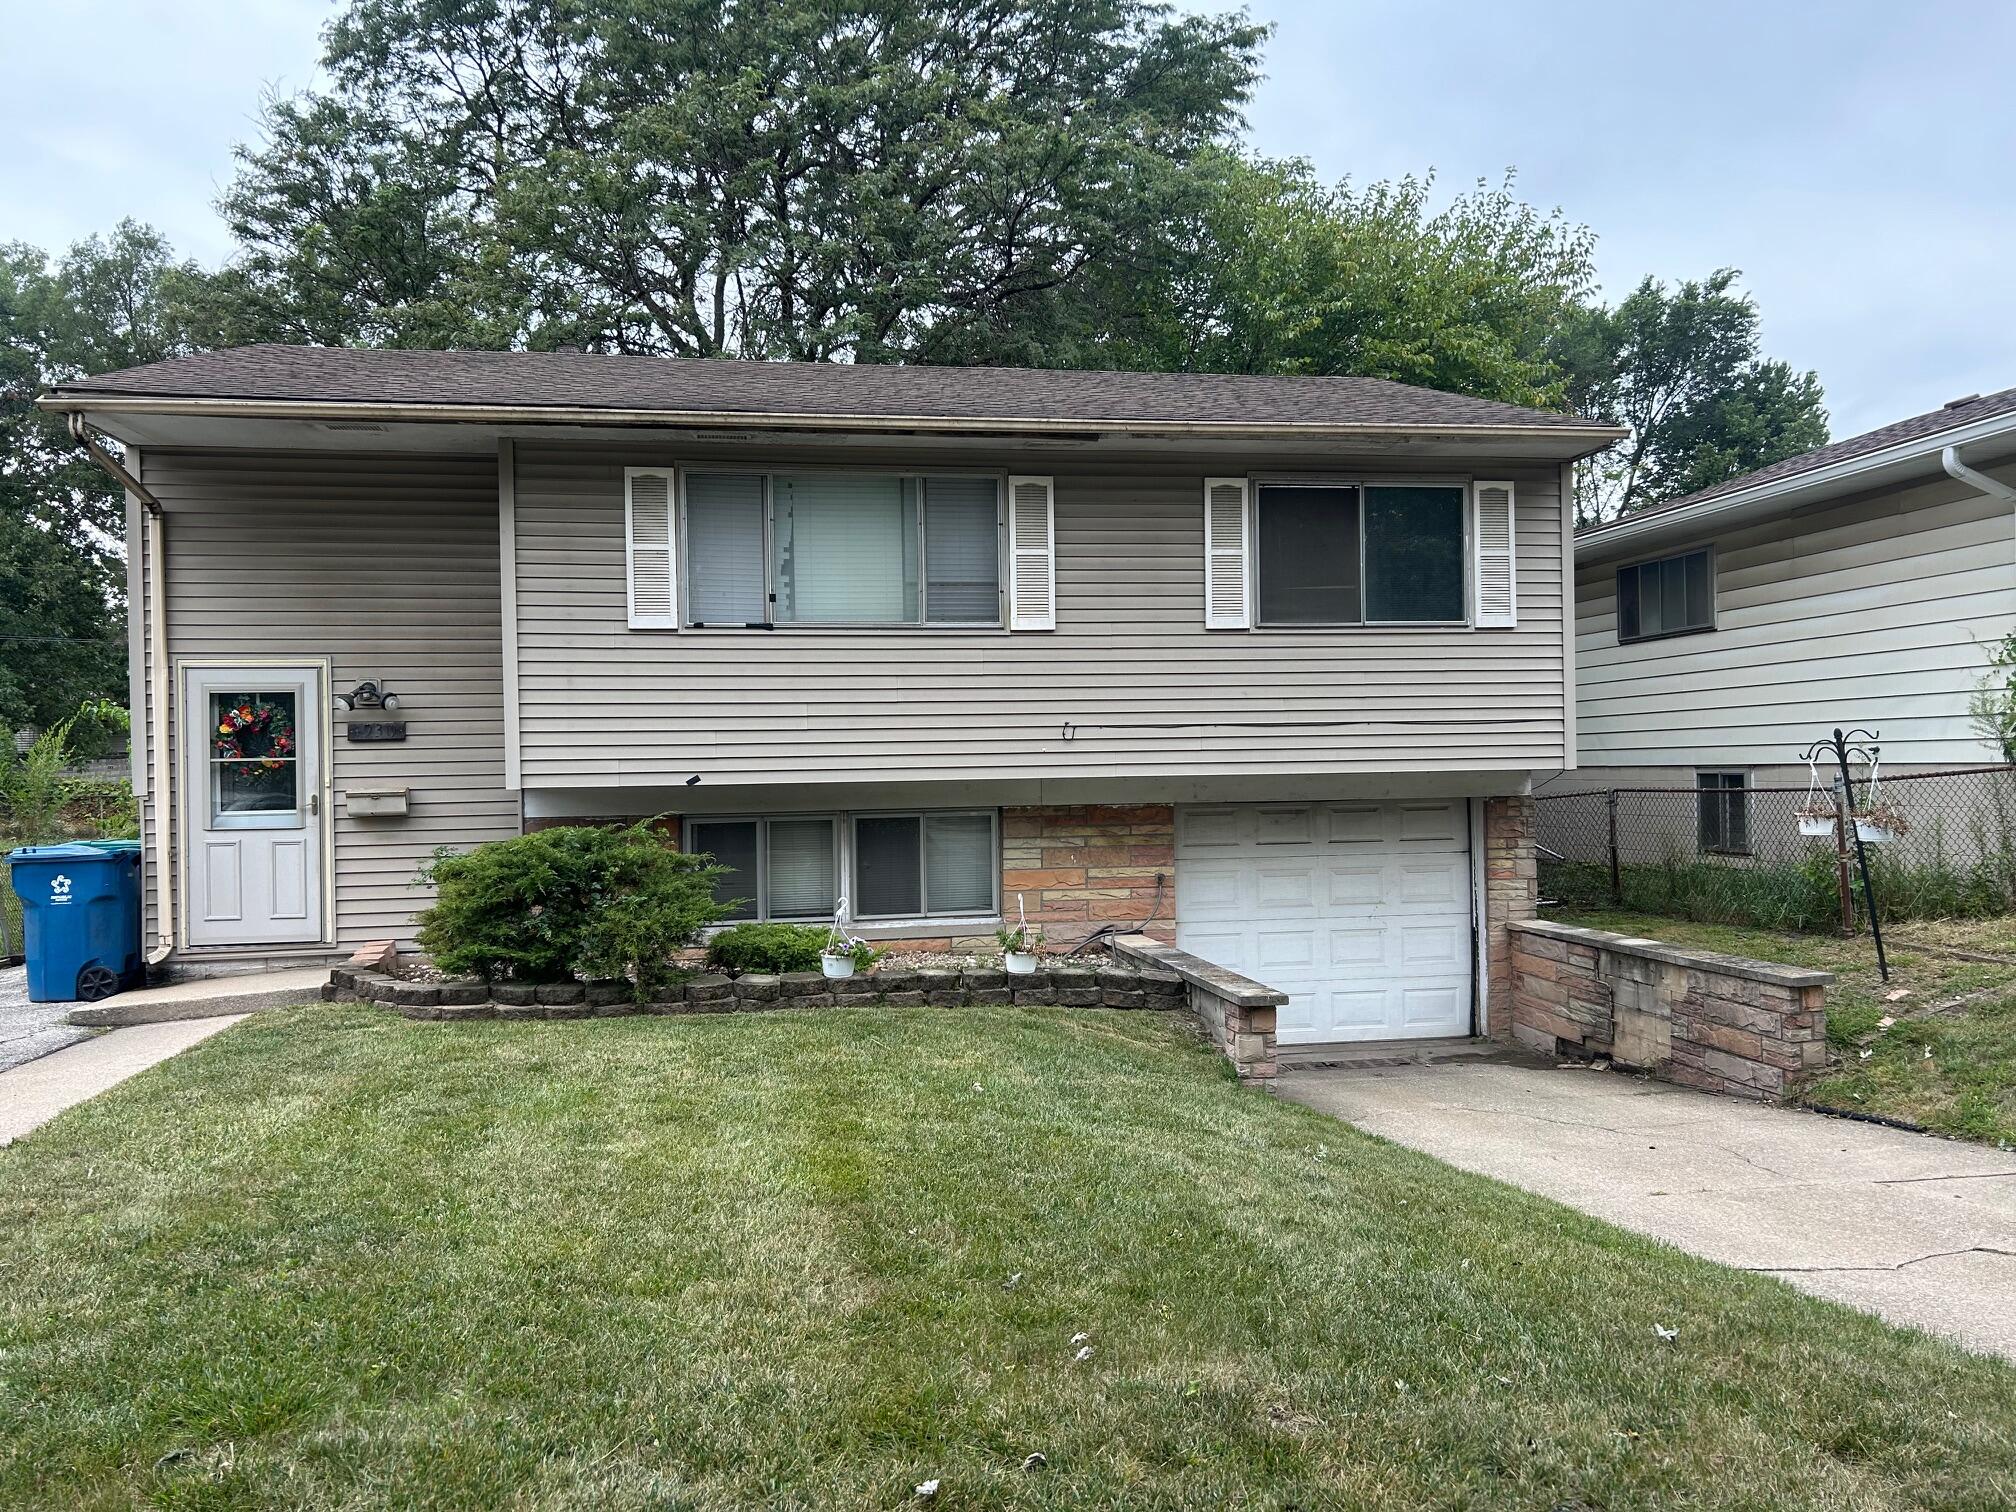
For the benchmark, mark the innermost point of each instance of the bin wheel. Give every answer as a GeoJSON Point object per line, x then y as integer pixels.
{"type": "Point", "coordinates": [96, 982]}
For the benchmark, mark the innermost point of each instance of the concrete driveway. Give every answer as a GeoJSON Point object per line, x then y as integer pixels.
{"type": "Point", "coordinates": [30, 1030]}
{"type": "Point", "coordinates": [1921, 1231]}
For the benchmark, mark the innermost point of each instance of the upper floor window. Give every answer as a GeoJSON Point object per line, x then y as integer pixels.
{"type": "Point", "coordinates": [821, 548]}
{"type": "Point", "coordinates": [1670, 596]}
{"type": "Point", "coordinates": [1357, 554]}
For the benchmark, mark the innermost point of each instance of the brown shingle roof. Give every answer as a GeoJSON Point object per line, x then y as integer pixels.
{"type": "Point", "coordinates": [1948, 417]}
{"type": "Point", "coordinates": [575, 380]}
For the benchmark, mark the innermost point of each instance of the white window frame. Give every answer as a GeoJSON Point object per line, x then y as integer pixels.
{"type": "Point", "coordinates": [843, 861]}
{"type": "Point", "coordinates": [770, 473]}
{"type": "Point", "coordinates": [1260, 483]}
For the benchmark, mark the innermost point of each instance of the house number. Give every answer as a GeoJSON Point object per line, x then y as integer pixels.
{"type": "Point", "coordinates": [378, 730]}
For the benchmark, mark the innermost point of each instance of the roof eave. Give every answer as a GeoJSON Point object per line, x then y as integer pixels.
{"type": "Point", "coordinates": [1589, 437]}
{"type": "Point", "coordinates": [1800, 487]}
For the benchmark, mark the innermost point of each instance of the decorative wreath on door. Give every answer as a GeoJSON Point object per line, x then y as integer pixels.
{"type": "Point", "coordinates": [258, 731]}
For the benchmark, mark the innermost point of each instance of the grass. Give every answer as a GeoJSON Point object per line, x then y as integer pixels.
{"type": "Point", "coordinates": [332, 1258]}
{"type": "Point", "coordinates": [1964, 1086]}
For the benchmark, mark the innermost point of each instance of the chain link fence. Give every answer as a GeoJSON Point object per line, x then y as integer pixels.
{"type": "Point", "coordinates": [1941, 845]}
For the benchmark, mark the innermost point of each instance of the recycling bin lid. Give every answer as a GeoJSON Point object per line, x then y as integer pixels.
{"type": "Point", "coordinates": [73, 850]}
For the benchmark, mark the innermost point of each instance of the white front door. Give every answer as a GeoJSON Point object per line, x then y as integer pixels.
{"type": "Point", "coordinates": [1360, 912]}
{"type": "Point", "coordinates": [252, 804]}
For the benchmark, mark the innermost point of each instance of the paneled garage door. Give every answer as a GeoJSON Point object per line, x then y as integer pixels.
{"type": "Point", "coordinates": [1360, 912]}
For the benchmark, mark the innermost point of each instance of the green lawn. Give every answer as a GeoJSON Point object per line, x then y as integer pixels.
{"type": "Point", "coordinates": [333, 1258]}
{"type": "Point", "coordinates": [1965, 1085]}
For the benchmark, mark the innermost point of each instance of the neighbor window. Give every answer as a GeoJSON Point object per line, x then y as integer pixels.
{"type": "Point", "coordinates": [842, 549]}
{"type": "Point", "coordinates": [1671, 596]}
{"type": "Point", "coordinates": [1351, 554]}
{"type": "Point", "coordinates": [1724, 800]}
{"type": "Point", "coordinates": [898, 866]}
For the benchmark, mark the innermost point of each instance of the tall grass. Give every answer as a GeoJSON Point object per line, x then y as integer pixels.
{"type": "Point", "coordinates": [1794, 895]}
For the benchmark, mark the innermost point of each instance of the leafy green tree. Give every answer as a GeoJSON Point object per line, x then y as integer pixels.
{"type": "Point", "coordinates": [812, 179]}
{"type": "Point", "coordinates": [1681, 369]}
{"type": "Point", "coordinates": [107, 303]}
{"type": "Point", "coordinates": [1280, 273]}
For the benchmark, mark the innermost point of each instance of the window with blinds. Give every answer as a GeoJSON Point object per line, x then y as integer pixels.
{"type": "Point", "coordinates": [928, 864]}
{"type": "Point", "coordinates": [850, 548]}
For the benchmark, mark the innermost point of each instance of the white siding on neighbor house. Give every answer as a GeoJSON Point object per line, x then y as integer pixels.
{"type": "Point", "coordinates": [603, 705]}
{"type": "Point", "coordinates": [387, 566]}
{"type": "Point", "coordinates": [1873, 611]}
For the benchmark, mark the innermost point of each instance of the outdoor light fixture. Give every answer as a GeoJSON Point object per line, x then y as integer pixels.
{"type": "Point", "coordinates": [369, 695]}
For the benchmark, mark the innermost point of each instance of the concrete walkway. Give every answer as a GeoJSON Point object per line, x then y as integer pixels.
{"type": "Point", "coordinates": [1918, 1230]}
{"type": "Point", "coordinates": [33, 1094]}
{"type": "Point", "coordinates": [30, 1030]}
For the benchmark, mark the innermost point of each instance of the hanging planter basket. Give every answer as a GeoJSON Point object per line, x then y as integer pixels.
{"type": "Point", "coordinates": [835, 966]}
{"type": "Point", "coordinates": [1815, 826]}
{"type": "Point", "coordinates": [1020, 944]}
{"type": "Point", "coordinates": [1880, 825]}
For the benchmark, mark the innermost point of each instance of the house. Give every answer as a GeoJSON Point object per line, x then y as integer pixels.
{"type": "Point", "coordinates": [1858, 585]}
{"type": "Point", "coordinates": [1264, 665]}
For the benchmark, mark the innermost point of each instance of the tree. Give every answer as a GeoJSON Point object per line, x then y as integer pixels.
{"type": "Point", "coordinates": [107, 303]}
{"type": "Point", "coordinates": [1280, 273]}
{"type": "Point", "coordinates": [804, 179]}
{"type": "Point", "coordinates": [1681, 370]}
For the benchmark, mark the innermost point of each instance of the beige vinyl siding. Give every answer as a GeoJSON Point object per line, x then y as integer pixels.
{"type": "Point", "coordinates": [388, 566]}
{"type": "Point", "coordinates": [1871, 611]}
{"type": "Point", "coordinates": [603, 705]}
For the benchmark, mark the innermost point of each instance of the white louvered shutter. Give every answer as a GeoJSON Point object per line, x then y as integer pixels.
{"type": "Point", "coordinates": [1032, 554]}
{"type": "Point", "coordinates": [648, 515]}
{"type": "Point", "coordinates": [1492, 528]}
{"type": "Point", "coordinates": [1226, 595]}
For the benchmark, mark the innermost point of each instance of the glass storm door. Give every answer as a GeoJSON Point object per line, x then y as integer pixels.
{"type": "Point", "coordinates": [252, 804]}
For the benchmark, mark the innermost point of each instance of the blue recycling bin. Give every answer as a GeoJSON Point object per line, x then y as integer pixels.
{"type": "Point", "coordinates": [80, 916]}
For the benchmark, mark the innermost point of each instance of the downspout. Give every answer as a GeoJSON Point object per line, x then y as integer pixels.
{"type": "Point", "coordinates": [156, 714]}
{"type": "Point", "coordinates": [1980, 482]}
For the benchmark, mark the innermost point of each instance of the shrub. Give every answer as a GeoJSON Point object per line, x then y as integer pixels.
{"type": "Point", "coordinates": [567, 901]}
{"type": "Point", "coordinates": [767, 947]}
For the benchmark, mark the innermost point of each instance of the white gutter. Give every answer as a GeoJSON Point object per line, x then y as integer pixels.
{"type": "Point", "coordinates": [1979, 481]}
{"type": "Point", "coordinates": [1918, 448]}
{"type": "Point", "coordinates": [154, 714]}
{"type": "Point", "coordinates": [475, 414]}
{"type": "Point", "coordinates": [158, 714]}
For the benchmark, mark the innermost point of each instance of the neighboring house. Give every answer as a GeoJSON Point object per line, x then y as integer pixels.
{"type": "Point", "coordinates": [1857, 585]}
{"type": "Point", "coordinates": [1262, 664]}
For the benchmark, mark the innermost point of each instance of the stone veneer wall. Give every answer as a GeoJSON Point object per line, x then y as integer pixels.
{"type": "Point", "coordinates": [1722, 1023]}
{"type": "Point", "coordinates": [1511, 894]}
{"type": "Point", "coordinates": [1237, 1012]}
{"type": "Point", "coordinates": [1081, 866]}
{"type": "Point", "coordinates": [1076, 868]}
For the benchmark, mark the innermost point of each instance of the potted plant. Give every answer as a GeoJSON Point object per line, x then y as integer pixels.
{"type": "Point", "coordinates": [1018, 948]}
{"type": "Point", "coordinates": [845, 958]}
{"type": "Point", "coordinates": [1879, 824]}
{"type": "Point", "coordinates": [1817, 820]}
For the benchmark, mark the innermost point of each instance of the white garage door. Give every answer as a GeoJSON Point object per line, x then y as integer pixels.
{"type": "Point", "coordinates": [1360, 912]}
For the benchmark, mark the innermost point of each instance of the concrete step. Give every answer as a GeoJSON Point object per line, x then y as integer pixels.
{"type": "Point", "coordinates": [205, 997]}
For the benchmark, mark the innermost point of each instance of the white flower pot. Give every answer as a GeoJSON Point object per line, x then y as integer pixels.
{"type": "Point", "coordinates": [1873, 833]}
{"type": "Point", "coordinates": [837, 965]}
{"type": "Point", "coordinates": [1020, 962]}
{"type": "Point", "coordinates": [1816, 826]}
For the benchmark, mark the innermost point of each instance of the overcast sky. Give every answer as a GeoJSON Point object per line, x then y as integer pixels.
{"type": "Point", "coordinates": [1857, 159]}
